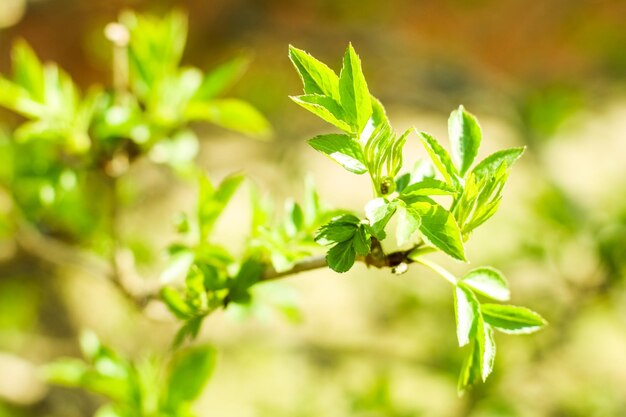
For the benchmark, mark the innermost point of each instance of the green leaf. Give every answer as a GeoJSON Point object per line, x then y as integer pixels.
{"type": "Point", "coordinates": [175, 303]}
{"type": "Point", "coordinates": [441, 159]}
{"type": "Point", "coordinates": [221, 78]}
{"type": "Point", "coordinates": [439, 228]}
{"type": "Point", "coordinates": [211, 201]}
{"type": "Point", "coordinates": [339, 229]}
{"type": "Point", "coordinates": [355, 96]}
{"type": "Point", "coordinates": [467, 314]}
{"type": "Point", "coordinates": [465, 136]}
{"type": "Point", "coordinates": [316, 76]}
{"type": "Point", "coordinates": [326, 108]}
{"type": "Point", "coordinates": [488, 349]}
{"type": "Point", "coordinates": [491, 163]}
{"type": "Point", "coordinates": [408, 223]}
{"type": "Point", "coordinates": [489, 282]}
{"type": "Point", "coordinates": [362, 241]}
{"type": "Point", "coordinates": [512, 319]}
{"type": "Point", "coordinates": [231, 114]}
{"type": "Point", "coordinates": [250, 272]}
{"type": "Point", "coordinates": [471, 371]}
{"type": "Point", "coordinates": [28, 71]}
{"type": "Point", "coordinates": [341, 257]}
{"type": "Point", "coordinates": [429, 186]}
{"type": "Point", "coordinates": [188, 373]}
{"type": "Point", "coordinates": [341, 149]}
{"type": "Point", "coordinates": [378, 212]}
{"type": "Point", "coordinates": [295, 217]}
{"type": "Point", "coordinates": [67, 371]}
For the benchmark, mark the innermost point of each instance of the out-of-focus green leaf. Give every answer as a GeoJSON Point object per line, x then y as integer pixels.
{"type": "Point", "coordinates": [231, 114]}
{"type": "Point", "coordinates": [355, 96]}
{"type": "Point", "coordinates": [342, 149]}
{"type": "Point", "coordinates": [211, 201]}
{"type": "Point", "coordinates": [175, 303]}
{"type": "Point", "coordinates": [465, 137]}
{"type": "Point", "coordinates": [512, 319]}
{"type": "Point", "coordinates": [489, 282]}
{"type": "Point", "coordinates": [221, 78]}
{"type": "Point", "coordinates": [188, 373]}
{"type": "Point", "coordinates": [316, 76]}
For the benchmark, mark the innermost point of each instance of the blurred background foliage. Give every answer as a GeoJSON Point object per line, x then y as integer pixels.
{"type": "Point", "coordinates": [549, 75]}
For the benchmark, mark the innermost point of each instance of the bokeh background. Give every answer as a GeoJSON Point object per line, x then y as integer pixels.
{"type": "Point", "coordinates": [550, 75]}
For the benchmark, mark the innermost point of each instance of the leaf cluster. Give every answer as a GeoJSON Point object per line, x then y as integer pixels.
{"type": "Point", "coordinates": [151, 387]}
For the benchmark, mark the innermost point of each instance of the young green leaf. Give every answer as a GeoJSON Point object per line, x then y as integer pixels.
{"type": "Point", "coordinates": [249, 274]}
{"type": "Point", "coordinates": [188, 373]}
{"type": "Point", "coordinates": [428, 186]}
{"type": "Point", "coordinates": [316, 76]}
{"type": "Point", "coordinates": [489, 282]}
{"type": "Point", "coordinates": [441, 159]}
{"type": "Point", "coordinates": [342, 149]}
{"type": "Point", "coordinates": [465, 135]}
{"type": "Point", "coordinates": [491, 163]}
{"type": "Point", "coordinates": [221, 78]}
{"type": "Point", "coordinates": [341, 257]}
{"type": "Point", "coordinates": [487, 345]}
{"type": "Point", "coordinates": [362, 241]}
{"type": "Point", "coordinates": [512, 319]}
{"type": "Point", "coordinates": [471, 370]}
{"type": "Point", "coordinates": [231, 114]}
{"type": "Point", "coordinates": [339, 229]}
{"type": "Point", "coordinates": [408, 223]}
{"type": "Point", "coordinates": [355, 96]}
{"type": "Point", "coordinates": [326, 108]}
{"type": "Point", "coordinates": [175, 303]}
{"type": "Point", "coordinates": [28, 71]}
{"type": "Point", "coordinates": [467, 313]}
{"type": "Point", "coordinates": [439, 228]}
{"type": "Point", "coordinates": [379, 211]}
{"type": "Point", "coordinates": [211, 201]}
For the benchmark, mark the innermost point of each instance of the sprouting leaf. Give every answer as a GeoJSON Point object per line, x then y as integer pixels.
{"type": "Point", "coordinates": [342, 149]}
{"type": "Point", "coordinates": [408, 223]}
{"type": "Point", "coordinates": [341, 257]}
{"type": "Point", "coordinates": [489, 282]}
{"type": "Point", "coordinates": [231, 114]}
{"type": "Point", "coordinates": [379, 211]}
{"type": "Point", "coordinates": [439, 228]}
{"type": "Point", "coordinates": [316, 76]}
{"type": "Point", "coordinates": [355, 96]}
{"type": "Point", "coordinates": [512, 319]}
{"type": "Point", "coordinates": [188, 373]}
{"type": "Point", "coordinates": [326, 108]}
{"type": "Point", "coordinates": [441, 159]}
{"type": "Point", "coordinates": [492, 162]}
{"type": "Point", "coordinates": [465, 136]}
{"type": "Point", "coordinates": [467, 313]}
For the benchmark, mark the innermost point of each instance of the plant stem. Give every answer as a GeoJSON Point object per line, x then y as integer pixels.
{"type": "Point", "coordinates": [444, 273]}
